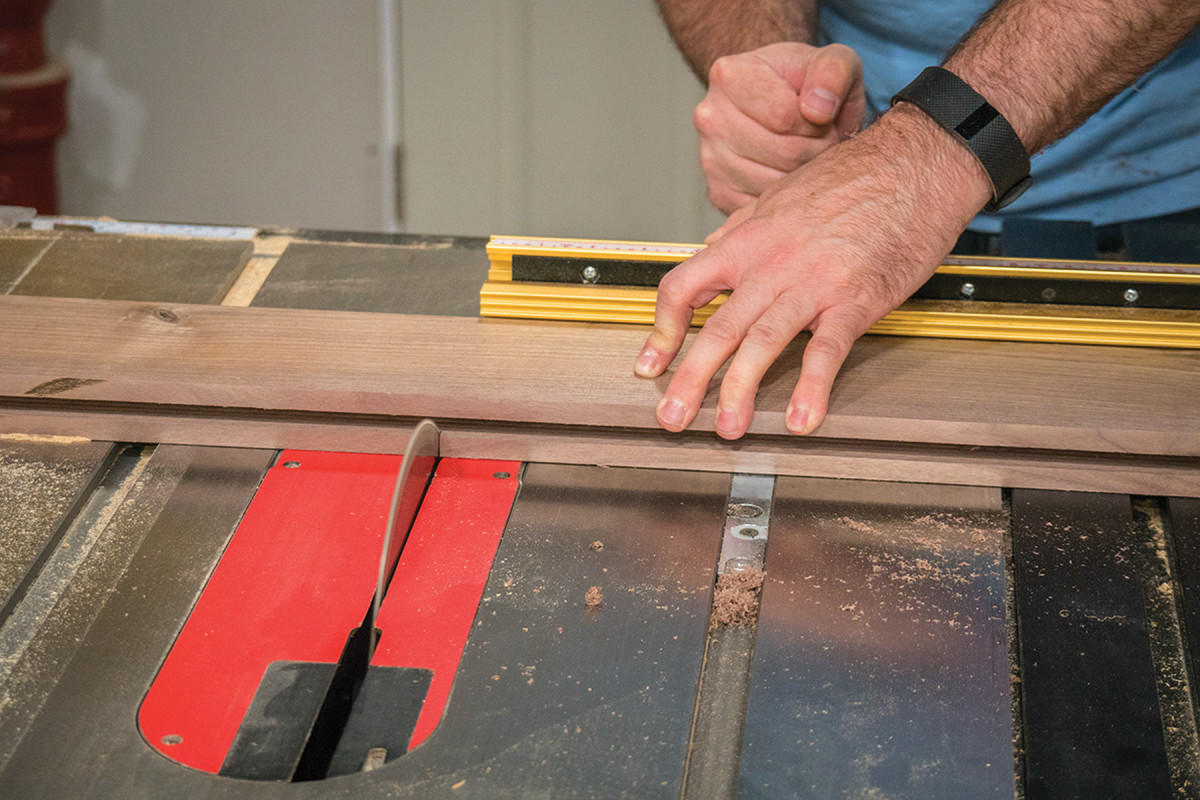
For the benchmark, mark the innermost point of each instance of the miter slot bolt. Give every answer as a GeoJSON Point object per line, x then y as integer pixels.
{"type": "Point", "coordinates": [738, 564]}
{"type": "Point", "coordinates": [1131, 296]}
{"type": "Point", "coordinates": [749, 532]}
{"type": "Point", "coordinates": [590, 274]}
{"type": "Point", "coordinates": [743, 510]}
{"type": "Point", "coordinates": [1048, 294]}
{"type": "Point", "coordinates": [967, 290]}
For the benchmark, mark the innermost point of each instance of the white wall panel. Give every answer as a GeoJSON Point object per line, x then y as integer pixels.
{"type": "Point", "coordinates": [539, 117]}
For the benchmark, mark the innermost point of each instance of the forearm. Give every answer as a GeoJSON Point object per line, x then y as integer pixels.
{"type": "Point", "coordinates": [1047, 65]}
{"type": "Point", "coordinates": [705, 30]}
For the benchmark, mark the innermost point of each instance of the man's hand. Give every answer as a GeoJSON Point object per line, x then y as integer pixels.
{"type": "Point", "coordinates": [839, 242]}
{"type": "Point", "coordinates": [832, 248]}
{"type": "Point", "coordinates": [771, 110]}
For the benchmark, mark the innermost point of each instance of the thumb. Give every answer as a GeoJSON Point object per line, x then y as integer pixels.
{"type": "Point", "coordinates": [834, 75]}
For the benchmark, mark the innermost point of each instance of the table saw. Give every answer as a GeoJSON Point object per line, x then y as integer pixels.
{"type": "Point", "coordinates": [992, 593]}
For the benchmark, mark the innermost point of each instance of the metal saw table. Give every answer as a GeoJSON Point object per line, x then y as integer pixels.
{"type": "Point", "coordinates": [913, 641]}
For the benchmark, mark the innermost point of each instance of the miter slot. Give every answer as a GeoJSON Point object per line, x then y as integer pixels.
{"type": "Point", "coordinates": [57, 482]}
{"type": "Point", "coordinates": [715, 748]}
{"type": "Point", "coordinates": [747, 518]}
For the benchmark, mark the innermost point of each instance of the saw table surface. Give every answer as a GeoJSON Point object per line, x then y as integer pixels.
{"type": "Point", "coordinates": [915, 639]}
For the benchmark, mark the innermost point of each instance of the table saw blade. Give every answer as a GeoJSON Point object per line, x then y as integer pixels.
{"type": "Point", "coordinates": [416, 471]}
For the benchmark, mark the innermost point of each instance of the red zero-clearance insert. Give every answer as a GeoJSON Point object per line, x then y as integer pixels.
{"type": "Point", "coordinates": [298, 576]}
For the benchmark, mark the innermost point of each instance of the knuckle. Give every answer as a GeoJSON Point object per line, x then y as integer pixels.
{"type": "Point", "coordinates": [770, 334]}
{"type": "Point", "coordinates": [691, 382]}
{"type": "Point", "coordinates": [721, 71]}
{"type": "Point", "coordinates": [670, 288]}
{"type": "Point", "coordinates": [722, 329]}
{"type": "Point", "coordinates": [842, 54]}
{"type": "Point", "coordinates": [737, 384]}
{"type": "Point", "coordinates": [828, 345]}
{"type": "Point", "coordinates": [776, 329]}
{"type": "Point", "coordinates": [704, 118]}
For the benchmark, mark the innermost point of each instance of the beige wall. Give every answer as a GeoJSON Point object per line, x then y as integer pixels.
{"type": "Point", "coordinates": [540, 117]}
{"type": "Point", "coordinates": [222, 111]}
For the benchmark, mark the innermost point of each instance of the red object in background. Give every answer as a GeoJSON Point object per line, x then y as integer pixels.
{"type": "Point", "coordinates": [33, 108]}
{"type": "Point", "coordinates": [21, 47]}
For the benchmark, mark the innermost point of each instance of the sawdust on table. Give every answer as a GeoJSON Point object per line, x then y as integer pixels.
{"type": "Point", "coordinates": [42, 438]}
{"type": "Point", "coordinates": [736, 599]}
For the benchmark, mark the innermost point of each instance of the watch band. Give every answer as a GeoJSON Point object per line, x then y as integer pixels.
{"type": "Point", "coordinates": [950, 102]}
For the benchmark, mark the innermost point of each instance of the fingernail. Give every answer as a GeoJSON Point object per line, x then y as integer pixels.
{"type": "Point", "coordinates": [727, 422]}
{"type": "Point", "coordinates": [646, 362]}
{"type": "Point", "coordinates": [821, 101]}
{"type": "Point", "coordinates": [671, 412]}
{"type": "Point", "coordinates": [796, 418]}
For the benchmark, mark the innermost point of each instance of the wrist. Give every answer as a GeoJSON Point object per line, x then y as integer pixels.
{"type": "Point", "coordinates": [952, 182]}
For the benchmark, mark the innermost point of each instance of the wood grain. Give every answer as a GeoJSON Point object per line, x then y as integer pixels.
{"type": "Point", "coordinates": [962, 393]}
{"type": "Point", "coordinates": [620, 447]}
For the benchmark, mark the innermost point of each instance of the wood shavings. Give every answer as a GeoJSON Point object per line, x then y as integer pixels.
{"type": "Point", "coordinates": [736, 599]}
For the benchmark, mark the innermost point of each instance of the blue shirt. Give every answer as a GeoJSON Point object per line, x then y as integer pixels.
{"type": "Point", "coordinates": [1137, 157]}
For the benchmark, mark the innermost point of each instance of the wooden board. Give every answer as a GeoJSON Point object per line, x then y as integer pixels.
{"type": "Point", "coordinates": [318, 370]}
{"type": "Point", "coordinates": [772, 455]}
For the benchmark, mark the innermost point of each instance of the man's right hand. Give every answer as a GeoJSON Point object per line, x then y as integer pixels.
{"type": "Point", "coordinates": [770, 110]}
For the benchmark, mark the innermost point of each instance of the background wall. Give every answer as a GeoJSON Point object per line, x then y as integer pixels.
{"type": "Point", "coordinates": [539, 117]}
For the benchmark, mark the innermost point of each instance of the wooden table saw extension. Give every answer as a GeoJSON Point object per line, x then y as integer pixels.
{"type": "Point", "coordinates": [982, 573]}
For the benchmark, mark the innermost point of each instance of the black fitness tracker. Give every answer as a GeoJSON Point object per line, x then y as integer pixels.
{"type": "Point", "coordinates": [950, 102]}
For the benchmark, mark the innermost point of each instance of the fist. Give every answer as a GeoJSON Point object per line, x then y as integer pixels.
{"type": "Point", "coordinates": [770, 110]}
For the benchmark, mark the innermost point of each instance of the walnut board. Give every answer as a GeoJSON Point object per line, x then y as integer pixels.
{"type": "Point", "coordinates": [321, 371]}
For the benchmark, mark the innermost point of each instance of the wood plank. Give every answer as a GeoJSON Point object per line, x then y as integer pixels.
{"type": "Point", "coordinates": [987, 394]}
{"type": "Point", "coordinates": [774, 455]}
